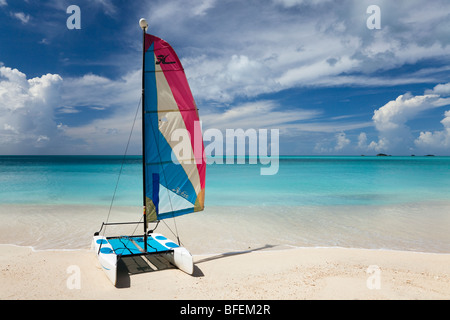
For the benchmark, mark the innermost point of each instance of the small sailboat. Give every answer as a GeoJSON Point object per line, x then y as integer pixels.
{"type": "Point", "coordinates": [173, 182]}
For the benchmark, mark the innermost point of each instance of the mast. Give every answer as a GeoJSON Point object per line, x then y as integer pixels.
{"type": "Point", "coordinates": [144, 25]}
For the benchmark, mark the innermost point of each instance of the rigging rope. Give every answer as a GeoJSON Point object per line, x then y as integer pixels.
{"type": "Point", "coordinates": [122, 164]}
{"type": "Point", "coordinates": [118, 179]}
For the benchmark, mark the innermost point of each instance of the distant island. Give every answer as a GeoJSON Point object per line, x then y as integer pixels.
{"type": "Point", "coordinates": [388, 155]}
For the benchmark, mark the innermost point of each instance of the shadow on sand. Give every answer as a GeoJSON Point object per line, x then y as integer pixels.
{"type": "Point", "coordinates": [127, 266]}
{"type": "Point", "coordinates": [229, 254]}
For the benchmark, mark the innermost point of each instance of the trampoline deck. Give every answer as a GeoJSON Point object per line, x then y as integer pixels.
{"type": "Point", "coordinates": [129, 246]}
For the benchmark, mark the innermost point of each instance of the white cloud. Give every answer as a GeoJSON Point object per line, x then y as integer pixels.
{"type": "Point", "coordinates": [200, 8]}
{"type": "Point", "coordinates": [107, 6]}
{"type": "Point", "coordinates": [327, 126]}
{"type": "Point", "coordinates": [310, 74]}
{"type": "Point", "coordinates": [437, 141]}
{"type": "Point", "coordinates": [178, 11]}
{"type": "Point", "coordinates": [293, 3]}
{"type": "Point", "coordinates": [342, 141]}
{"type": "Point", "coordinates": [337, 144]}
{"type": "Point", "coordinates": [26, 108]}
{"type": "Point", "coordinates": [381, 145]}
{"type": "Point", "coordinates": [44, 41]}
{"type": "Point", "coordinates": [391, 121]}
{"type": "Point", "coordinates": [235, 50]}
{"type": "Point", "coordinates": [104, 136]}
{"type": "Point", "coordinates": [3, 3]}
{"type": "Point", "coordinates": [362, 140]}
{"type": "Point", "coordinates": [257, 115]}
{"type": "Point", "coordinates": [225, 80]}
{"type": "Point", "coordinates": [395, 114]}
{"type": "Point", "coordinates": [24, 18]}
{"type": "Point", "coordinates": [118, 98]}
{"type": "Point", "coordinates": [298, 128]}
{"type": "Point", "coordinates": [232, 50]}
{"type": "Point", "coordinates": [93, 90]}
{"type": "Point", "coordinates": [441, 89]}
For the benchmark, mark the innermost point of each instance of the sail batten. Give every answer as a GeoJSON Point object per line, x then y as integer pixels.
{"type": "Point", "coordinates": [165, 110]}
{"type": "Point", "coordinates": [174, 183]}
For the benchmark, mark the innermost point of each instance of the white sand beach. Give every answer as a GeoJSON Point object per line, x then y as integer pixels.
{"type": "Point", "coordinates": [302, 273]}
{"type": "Point", "coordinates": [264, 268]}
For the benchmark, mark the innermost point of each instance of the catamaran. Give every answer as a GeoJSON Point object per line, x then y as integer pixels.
{"type": "Point", "coordinates": [173, 182]}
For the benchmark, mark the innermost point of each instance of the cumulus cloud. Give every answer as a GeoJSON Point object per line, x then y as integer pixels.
{"type": "Point", "coordinates": [391, 121]}
{"type": "Point", "coordinates": [436, 141]}
{"type": "Point", "coordinates": [30, 112]}
{"type": "Point", "coordinates": [339, 144]}
{"type": "Point", "coordinates": [362, 140]}
{"type": "Point", "coordinates": [27, 109]}
{"type": "Point", "coordinates": [441, 89]}
{"type": "Point", "coordinates": [342, 141]}
{"type": "Point", "coordinates": [393, 115]}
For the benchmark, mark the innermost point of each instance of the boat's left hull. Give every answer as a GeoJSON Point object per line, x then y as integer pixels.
{"type": "Point", "coordinates": [106, 257]}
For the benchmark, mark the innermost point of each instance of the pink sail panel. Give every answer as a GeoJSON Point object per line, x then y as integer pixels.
{"type": "Point", "coordinates": [176, 78]}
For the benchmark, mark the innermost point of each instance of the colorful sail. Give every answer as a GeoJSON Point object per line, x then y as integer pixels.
{"type": "Point", "coordinates": [174, 181]}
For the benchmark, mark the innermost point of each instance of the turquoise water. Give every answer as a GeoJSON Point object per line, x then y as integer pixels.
{"type": "Point", "coordinates": [69, 180]}
{"type": "Point", "coordinates": [300, 181]}
{"type": "Point", "coordinates": [400, 203]}
{"type": "Point", "coordinates": [333, 181]}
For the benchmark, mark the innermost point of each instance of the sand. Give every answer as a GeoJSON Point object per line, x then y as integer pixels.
{"type": "Point", "coordinates": [294, 274]}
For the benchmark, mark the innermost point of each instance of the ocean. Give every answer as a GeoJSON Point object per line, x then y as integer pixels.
{"type": "Point", "coordinates": [394, 203]}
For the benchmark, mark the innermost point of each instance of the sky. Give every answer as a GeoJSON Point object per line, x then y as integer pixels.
{"type": "Point", "coordinates": [334, 77]}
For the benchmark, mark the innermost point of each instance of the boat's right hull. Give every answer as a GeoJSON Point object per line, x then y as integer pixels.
{"type": "Point", "coordinates": [182, 259]}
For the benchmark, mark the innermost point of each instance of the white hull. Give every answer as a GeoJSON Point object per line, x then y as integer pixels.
{"type": "Point", "coordinates": [180, 257]}
{"type": "Point", "coordinates": [108, 262]}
